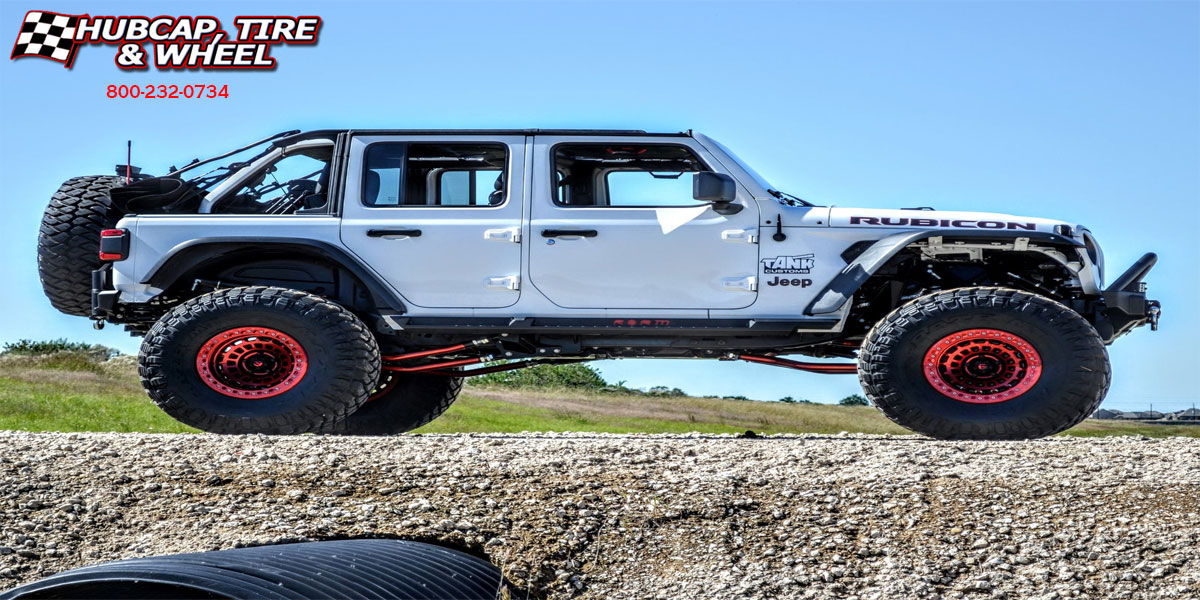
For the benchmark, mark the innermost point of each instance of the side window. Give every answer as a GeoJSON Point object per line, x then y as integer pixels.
{"type": "Point", "coordinates": [294, 183]}
{"type": "Point", "coordinates": [435, 174]}
{"type": "Point", "coordinates": [591, 175]}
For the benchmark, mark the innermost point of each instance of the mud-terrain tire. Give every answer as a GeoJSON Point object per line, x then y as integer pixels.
{"type": "Point", "coordinates": [984, 363]}
{"type": "Point", "coordinates": [69, 240]}
{"type": "Point", "coordinates": [402, 402]}
{"type": "Point", "coordinates": [259, 360]}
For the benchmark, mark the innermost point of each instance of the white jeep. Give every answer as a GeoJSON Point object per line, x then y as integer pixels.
{"type": "Point", "coordinates": [347, 280]}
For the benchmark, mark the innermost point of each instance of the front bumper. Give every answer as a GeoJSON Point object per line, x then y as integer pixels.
{"type": "Point", "coordinates": [1125, 304]}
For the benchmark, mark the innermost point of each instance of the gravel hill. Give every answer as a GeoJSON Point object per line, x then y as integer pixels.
{"type": "Point", "coordinates": [639, 516]}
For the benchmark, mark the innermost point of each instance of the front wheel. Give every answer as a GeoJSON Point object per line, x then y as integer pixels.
{"type": "Point", "coordinates": [259, 360]}
{"type": "Point", "coordinates": [984, 363]}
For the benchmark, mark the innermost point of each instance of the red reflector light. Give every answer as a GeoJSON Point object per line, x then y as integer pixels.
{"type": "Point", "coordinates": [114, 244]}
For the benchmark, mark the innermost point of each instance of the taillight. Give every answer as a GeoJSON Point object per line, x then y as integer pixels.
{"type": "Point", "coordinates": [114, 244]}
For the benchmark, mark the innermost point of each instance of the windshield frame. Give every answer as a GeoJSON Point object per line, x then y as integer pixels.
{"type": "Point", "coordinates": [720, 148]}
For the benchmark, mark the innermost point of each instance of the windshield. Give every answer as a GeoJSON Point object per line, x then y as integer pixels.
{"type": "Point", "coordinates": [749, 171]}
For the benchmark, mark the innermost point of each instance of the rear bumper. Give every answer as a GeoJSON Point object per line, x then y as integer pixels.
{"type": "Point", "coordinates": [1125, 304]}
{"type": "Point", "coordinates": [104, 296]}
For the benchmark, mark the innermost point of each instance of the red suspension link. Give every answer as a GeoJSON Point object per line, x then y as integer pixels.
{"type": "Point", "coordinates": [441, 365]}
{"type": "Point", "coordinates": [506, 367]}
{"type": "Point", "coordinates": [436, 351]}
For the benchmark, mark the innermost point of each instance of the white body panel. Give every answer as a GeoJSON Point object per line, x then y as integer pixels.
{"type": "Point", "coordinates": [157, 237]}
{"type": "Point", "coordinates": [465, 263]}
{"type": "Point", "coordinates": [636, 261]}
{"type": "Point", "coordinates": [452, 264]}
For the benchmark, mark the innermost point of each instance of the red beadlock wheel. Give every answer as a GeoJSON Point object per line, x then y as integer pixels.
{"type": "Point", "coordinates": [251, 362]}
{"type": "Point", "coordinates": [982, 366]}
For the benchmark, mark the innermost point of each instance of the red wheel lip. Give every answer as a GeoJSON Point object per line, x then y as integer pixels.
{"type": "Point", "coordinates": [219, 346]}
{"type": "Point", "coordinates": [1012, 347]}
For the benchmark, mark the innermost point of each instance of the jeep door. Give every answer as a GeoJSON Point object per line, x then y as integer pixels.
{"type": "Point", "coordinates": [613, 224]}
{"type": "Point", "coordinates": [439, 217]}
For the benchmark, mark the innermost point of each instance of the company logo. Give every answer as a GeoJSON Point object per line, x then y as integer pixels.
{"type": "Point", "coordinates": [641, 322]}
{"type": "Point", "coordinates": [969, 224]}
{"type": "Point", "coordinates": [788, 265]}
{"type": "Point", "coordinates": [174, 42]}
{"type": "Point", "coordinates": [800, 283]}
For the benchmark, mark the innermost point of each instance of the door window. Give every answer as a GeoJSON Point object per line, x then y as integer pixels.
{"type": "Point", "coordinates": [435, 174]}
{"type": "Point", "coordinates": [595, 175]}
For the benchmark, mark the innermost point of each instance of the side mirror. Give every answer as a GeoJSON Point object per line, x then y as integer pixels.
{"type": "Point", "coordinates": [717, 189]}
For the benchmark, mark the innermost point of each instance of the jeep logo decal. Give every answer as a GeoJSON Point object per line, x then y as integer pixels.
{"type": "Point", "coordinates": [788, 265]}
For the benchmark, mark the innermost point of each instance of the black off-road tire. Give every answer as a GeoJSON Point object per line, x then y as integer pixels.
{"type": "Point", "coordinates": [342, 361]}
{"type": "Point", "coordinates": [406, 403]}
{"type": "Point", "coordinates": [69, 240]}
{"type": "Point", "coordinates": [1074, 378]}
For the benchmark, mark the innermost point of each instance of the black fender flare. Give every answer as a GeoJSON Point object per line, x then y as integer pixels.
{"type": "Point", "coordinates": [185, 257]}
{"type": "Point", "coordinates": [866, 264]}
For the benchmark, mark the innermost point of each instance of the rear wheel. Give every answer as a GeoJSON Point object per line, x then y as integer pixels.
{"type": "Point", "coordinates": [984, 363]}
{"type": "Point", "coordinates": [69, 240]}
{"type": "Point", "coordinates": [259, 360]}
{"type": "Point", "coordinates": [401, 402]}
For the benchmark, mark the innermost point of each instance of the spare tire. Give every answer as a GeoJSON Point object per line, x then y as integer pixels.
{"type": "Point", "coordinates": [69, 240]}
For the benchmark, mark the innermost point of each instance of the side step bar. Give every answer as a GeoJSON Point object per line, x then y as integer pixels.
{"type": "Point", "coordinates": [635, 326]}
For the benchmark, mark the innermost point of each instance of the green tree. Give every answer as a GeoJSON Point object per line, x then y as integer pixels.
{"type": "Point", "coordinates": [788, 400]}
{"type": "Point", "coordinates": [854, 400]}
{"type": "Point", "coordinates": [44, 347]}
{"type": "Point", "coordinates": [574, 376]}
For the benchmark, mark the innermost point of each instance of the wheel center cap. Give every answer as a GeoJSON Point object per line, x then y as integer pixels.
{"type": "Point", "coordinates": [983, 366]}
{"type": "Point", "coordinates": [259, 363]}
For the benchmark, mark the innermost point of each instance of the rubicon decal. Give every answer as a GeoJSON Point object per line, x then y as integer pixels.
{"type": "Point", "coordinates": [788, 265]}
{"type": "Point", "coordinates": [965, 223]}
{"type": "Point", "coordinates": [166, 42]}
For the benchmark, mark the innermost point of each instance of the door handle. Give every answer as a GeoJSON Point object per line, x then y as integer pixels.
{"type": "Point", "coordinates": [746, 236]}
{"type": "Point", "coordinates": [551, 233]}
{"type": "Point", "coordinates": [502, 235]}
{"type": "Point", "coordinates": [397, 233]}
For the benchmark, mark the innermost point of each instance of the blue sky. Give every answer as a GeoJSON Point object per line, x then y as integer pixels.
{"type": "Point", "coordinates": [1081, 111]}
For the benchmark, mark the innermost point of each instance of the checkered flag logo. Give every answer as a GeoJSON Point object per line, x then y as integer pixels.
{"type": "Point", "coordinates": [48, 35]}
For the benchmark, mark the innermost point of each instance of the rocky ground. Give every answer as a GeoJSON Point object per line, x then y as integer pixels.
{"type": "Point", "coordinates": [639, 516]}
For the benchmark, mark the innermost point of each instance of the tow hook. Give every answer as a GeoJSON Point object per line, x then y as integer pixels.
{"type": "Point", "coordinates": [1153, 310]}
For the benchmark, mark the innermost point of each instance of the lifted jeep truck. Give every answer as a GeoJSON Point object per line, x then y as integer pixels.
{"type": "Point", "coordinates": [345, 281]}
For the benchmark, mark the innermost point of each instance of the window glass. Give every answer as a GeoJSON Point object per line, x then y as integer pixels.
{"type": "Point", "coordinates": [435, 174]}
{"type": "Point", "coordinates": [468, 188]}
{"type": "Point", "coordinates": [647, 188]}
{"type": "Point", "coordinates": [292, 183]}
{"type": "Point", "coordinates": [625, 176]}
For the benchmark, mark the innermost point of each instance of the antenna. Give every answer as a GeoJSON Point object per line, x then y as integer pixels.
{"type": "Point", "coordinates": [128, 160]}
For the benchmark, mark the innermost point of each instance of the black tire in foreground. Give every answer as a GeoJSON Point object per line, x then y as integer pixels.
{"type": "Point", "coordinates": [259, 360]}
{"type": "Point", "coordinates": [986, 364]}
{"type": "Point", "coordinates": [401, 402]}
{"type": "Point", "coordinates": [69, 240]}
{"type": "Point", "coordinates": [362, 568]}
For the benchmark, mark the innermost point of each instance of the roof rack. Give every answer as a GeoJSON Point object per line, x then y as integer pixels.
{"type": "Point", "coordinates": [595, 132]}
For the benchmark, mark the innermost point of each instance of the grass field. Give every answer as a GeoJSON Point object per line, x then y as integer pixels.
{"type": "Point", "coordinates": [67, 392]}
